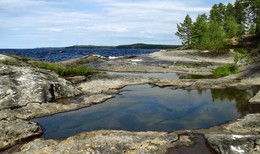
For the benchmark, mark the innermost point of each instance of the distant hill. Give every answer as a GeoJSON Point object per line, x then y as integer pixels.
{"type": "Point", "coordinates": [146, 46]}
{"type": "Point", "coordinates": [130, 46]}
{"type": "Point", "coordinates": [90, 47]}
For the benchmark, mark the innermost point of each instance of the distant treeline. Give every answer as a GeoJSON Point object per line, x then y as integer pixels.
{"type": "Point", "coordinates": [130, 46]}
{"type": "Point", "coordinates": [223, 23]}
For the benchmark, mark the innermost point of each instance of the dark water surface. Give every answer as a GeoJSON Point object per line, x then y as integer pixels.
{"type": "Point", "coordinates": [60, 54]}
{"type": "Point", "coordinates": [148, 108]}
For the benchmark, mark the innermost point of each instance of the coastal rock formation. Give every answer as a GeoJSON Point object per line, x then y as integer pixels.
{"type": "Point", "coordinates": [107, 142]}
{"type": "Point", "coordinates": [14, 130]}
{"type": "Point", "coordinates": [5, 58]}
{"type": "Point", "coordinates": [108, 85]}
{"type": "Point", "coordinates": [33, 110]}
{"type": "Point", "coordinates": [240, 136]}
{"type": "Point", "coordinates": [249, 124]}
{"type": "Point", "coordinates": [22, 85]}
{"type": "Point", "coordinates": [26, 93]}
{"type": "Point", "coordinates": [255, 99]}
{"type": "Point", "coordinates": [234, 144]}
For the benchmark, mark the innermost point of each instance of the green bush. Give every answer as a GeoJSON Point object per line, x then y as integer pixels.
{"type": "Point", "coordinates": [226, 70]}
{"type": "Point", "coordinates": [240, 54]}
{"type": "Point", "coordinates": [65, 71]}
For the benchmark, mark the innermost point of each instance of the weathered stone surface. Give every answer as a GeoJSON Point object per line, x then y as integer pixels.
{"type": "Point", "coordinates": [198, 84]}
{"type": "Point", "coordinates": [22, 85]}
{"type": "Point", "coordinates": [249, 124]}
{"type": "Point", "coordinates": [24, 90]}
{"type": "Point", "coordinates": [255, 99]}
{"type": "Point", "coordinates": [109, 142]}
{"type": "Point", "coordinates": [33, 110]}
{"type": "Point", "coordinates": [7, 58]}
{"type": "Point", "coordinates": [15, 130]}
{"type": "Point", "coordinates": [76, 79]}
{"type": "Point", "coordinates": [193, 56]}
{"type": "Point", "coordinates": [234, 144]}
{"type": "Point", "coordinates": [106, 85]}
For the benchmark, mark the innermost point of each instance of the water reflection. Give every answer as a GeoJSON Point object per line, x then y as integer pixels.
{"type": "Point", "coordinates": [240, 96]}
{"type": "Point", "coordinates": [147, 108]}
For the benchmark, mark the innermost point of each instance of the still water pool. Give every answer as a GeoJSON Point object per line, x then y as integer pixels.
{"type": "Point", "coordinates": [150, 108]}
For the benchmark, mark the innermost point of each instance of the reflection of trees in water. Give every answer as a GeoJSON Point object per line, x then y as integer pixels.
{"type": "Point", "coordinates": [199, 91]}
{"type": "Point", "coordinates": [241, 97]}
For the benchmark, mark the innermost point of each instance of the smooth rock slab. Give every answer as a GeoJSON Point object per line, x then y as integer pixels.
{"type": "Point", "coordinates": [22, 85]}
{"type": "Point", "coordinates": [33, 110]}
{"type": "Point", "coordinates": [107, 142]}
{"type": "Point", "coordinates": [107, 85]}
{"type": "Point", "coordinates": [15, 130]}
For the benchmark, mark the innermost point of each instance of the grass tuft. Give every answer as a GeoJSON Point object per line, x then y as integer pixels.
{"type": "Point", "coordinates": [226, 70]}
{"type": "Point", "coordinates": [65, 71]}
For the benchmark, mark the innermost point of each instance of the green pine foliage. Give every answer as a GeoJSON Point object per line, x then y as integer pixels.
{"type": "Point", "coordinates": [184, 31]}
{"type": "Point", "coordinates": [200, 32]}
{"type": "Point", "coordinates": [223, 23]}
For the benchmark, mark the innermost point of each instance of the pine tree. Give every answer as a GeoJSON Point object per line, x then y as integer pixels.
{"type": "Point", "coordinates": [231, 27]}
{"type": "Point", "coordinates": [240, 15]}
{"type": "Point", "coordinates": [230, 11]}
{"type": "Point", "coordinates": [184, 31]}
{"type": "Point", "coordinates": [217, 36]}
{"type": "Point", "coordinates": [199, 31]}
{"type": "Point", "coordinates": [216, 29]}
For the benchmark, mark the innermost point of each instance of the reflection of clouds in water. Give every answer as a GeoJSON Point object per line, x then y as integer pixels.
{"type": "Point", "coordinates": [144, 108]}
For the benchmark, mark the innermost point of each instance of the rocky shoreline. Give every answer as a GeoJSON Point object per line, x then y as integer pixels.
{"type": "Point", "coordinates": [25, 94]}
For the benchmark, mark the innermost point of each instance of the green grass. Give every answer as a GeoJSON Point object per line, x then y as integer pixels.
{"type": "Point", "coordinates": [65, 71]}
{"type": "Point", "coordinates": [226, 70]}
{"type": "Point", "coordinates": [15, 63]}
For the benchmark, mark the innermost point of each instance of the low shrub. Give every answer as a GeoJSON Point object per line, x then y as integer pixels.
{"type": "Point", "coordinates": [65, 71]}
{"type": "Point", "coordinates": [226, 70]}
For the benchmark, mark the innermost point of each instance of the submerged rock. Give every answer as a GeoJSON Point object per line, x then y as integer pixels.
{"type": "Point", "coordinates": [22, 85]}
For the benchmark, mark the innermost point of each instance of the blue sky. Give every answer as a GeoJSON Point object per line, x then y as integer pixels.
{"type": "Point", "coordinates": [59, 23]}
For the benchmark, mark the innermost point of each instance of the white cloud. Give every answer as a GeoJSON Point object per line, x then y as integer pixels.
{"type": "Point", "coordinates": [94, 21]}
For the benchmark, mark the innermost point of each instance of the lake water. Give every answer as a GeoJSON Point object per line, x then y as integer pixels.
{"type": "Point", "coordinates": [150, 108]}
{"type": "Point", "coordinates": [60, 54]}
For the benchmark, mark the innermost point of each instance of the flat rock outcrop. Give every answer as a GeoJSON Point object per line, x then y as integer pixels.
{"type": "Point", "coordinates": [110, 142]}
{"type": "Point", "coordinates": [33, 110]}
{"type": "Point", "coordinates": [255, 99]}
{"type": "Point", "coordinates": [14, 130]}
{"type": "Point", "coordinates": [110, 85]}
{"type": "Point", "coordinates": [22, 85]}
{"type": "Point", "coordinates": [25, 93]}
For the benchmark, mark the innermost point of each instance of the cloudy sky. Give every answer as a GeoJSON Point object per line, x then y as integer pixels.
{"type": "Point", "coordinates": [58, 23]}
